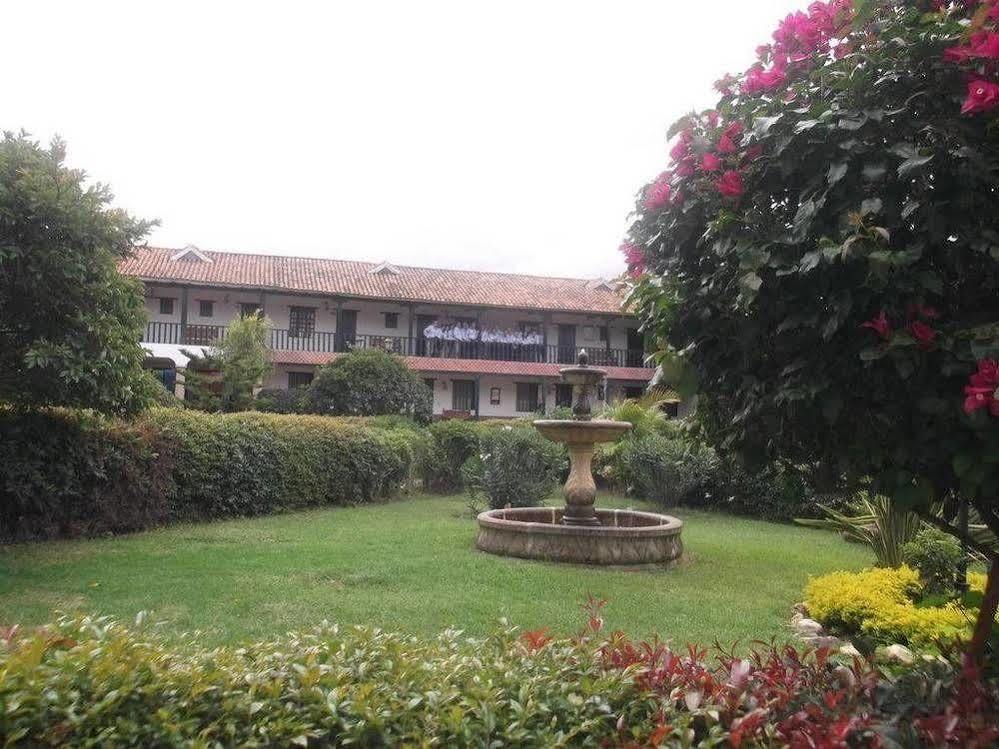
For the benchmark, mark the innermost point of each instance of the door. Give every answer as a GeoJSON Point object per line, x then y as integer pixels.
{"type": "Point", "coordinates": [463, 395]}
{"type": "Point", "coordinates": [346, 329]}
{"type": "Point", "coordinates": [636, 348]}
{"type": "Point", "coordinates": [566, 344]}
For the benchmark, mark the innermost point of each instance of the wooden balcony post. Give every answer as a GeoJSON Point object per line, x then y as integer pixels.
{"type": "Point", "coordinates": [183, 315]}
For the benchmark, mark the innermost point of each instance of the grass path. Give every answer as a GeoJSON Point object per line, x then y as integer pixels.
{"type": "Point", "coordinates": [411, 566]}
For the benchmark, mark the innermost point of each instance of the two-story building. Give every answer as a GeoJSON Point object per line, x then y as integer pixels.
{"type": "Point", "coordinates": [488, 344]}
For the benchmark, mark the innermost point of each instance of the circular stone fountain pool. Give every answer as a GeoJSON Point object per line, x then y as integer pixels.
{"type": "Point", "coordinates": [622, 537]}
{"type": "Point", "coordinates": [579, 532]}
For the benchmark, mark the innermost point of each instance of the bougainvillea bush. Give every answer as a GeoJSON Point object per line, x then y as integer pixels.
{"type": "Point", "coordinates": [821, 254]}
{"type": "Point", "coordinates": [90, 682]}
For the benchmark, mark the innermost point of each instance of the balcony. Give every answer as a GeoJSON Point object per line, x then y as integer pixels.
{"type": "Point", "coordinates": [322, 342]}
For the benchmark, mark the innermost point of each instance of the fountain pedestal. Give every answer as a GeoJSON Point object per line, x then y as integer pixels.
{"type": "Point", "coordinates": [579, 533]}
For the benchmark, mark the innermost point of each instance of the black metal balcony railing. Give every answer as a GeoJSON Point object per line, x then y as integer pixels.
{"type": "Point", "coordinates": [324, 342]}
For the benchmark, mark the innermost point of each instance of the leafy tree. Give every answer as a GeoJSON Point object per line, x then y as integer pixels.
{"type": "Point", "coordinates": [70, 325]}
{"type": "Point", "coordinates": [223, 377]}
{"type": "Point", "coordinates": [370, 382]}
{"type": "Point", "coordinates": [245, 361]}
{"type": "Point", "coordinates": [822, 255]}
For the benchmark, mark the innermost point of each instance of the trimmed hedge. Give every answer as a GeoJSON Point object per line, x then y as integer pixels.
{"type": "Point", "coordinates": [89, 682]}
{"type": "Point", "coordinates": [73, 473]}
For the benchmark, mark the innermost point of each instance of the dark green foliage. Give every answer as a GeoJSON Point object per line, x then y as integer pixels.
{"type": "Point", "coordinates": [73, 473]}
{"type": "Point", "coordinates": [515, 466]}
{"type": "Point", "coordinates": [866, 191]}
{"type": "Point", "coordinates": [370, 382]}
{"type": "Point", "coordinates": [69, 474]}
{"type": "Point", "coordinates": [70, 325]}
{"type": "Point", "coordinates": [679, 469]}
{"type": "Point", "coordinates": [452, 443]}
{"type": "Point", "coordinates": [936, 555]}
{"type": "Point", "coordinates": [281, 401]}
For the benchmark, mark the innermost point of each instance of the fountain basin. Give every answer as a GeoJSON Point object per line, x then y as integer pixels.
{"type": "Point", "coordinates": [627, 537]}
{"type": "Point", "coordinates": [581, 432]}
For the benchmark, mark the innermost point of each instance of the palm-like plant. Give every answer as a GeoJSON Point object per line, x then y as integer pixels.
{"type": "Point", "coordinates": [877, 524]}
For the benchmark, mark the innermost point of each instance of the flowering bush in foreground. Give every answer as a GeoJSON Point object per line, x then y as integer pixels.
{"type": "Point", "coordinates": [92, 682]}
{"type": "Point", "coordinates": [820, 257]}
{"type": "Point", "coordinates": [881, 603]}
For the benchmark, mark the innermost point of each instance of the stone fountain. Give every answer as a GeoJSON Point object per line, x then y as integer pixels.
{"type": "Point", "coordinates": [579, 532]}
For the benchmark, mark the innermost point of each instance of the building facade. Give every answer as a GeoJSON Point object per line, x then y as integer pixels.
{"type": "Point", "coordinates": [487, 344]}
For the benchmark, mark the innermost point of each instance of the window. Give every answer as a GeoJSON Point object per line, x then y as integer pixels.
{"type": "Point", "coordinates": [206, 308]}
{"type": "Point", "coordinates": [527, 397]}
{"type": "Point", "coordinates": [166, 306]}
{"type": "Point", "coordinates": [249, 309]}
{"type": "Point", "coordinates": [392, 320]}
{"type": "Point", "coordinates": [494, 396]}
{"type": "Point", "coordinates": [634, 392]}
{"type": "Point", "coordinates": [463, 395]}
{"type": "Point", "coordinates": [301, 322]}
{"type": "Point", "coordinates": [604, 333]}
{"type": "Point", "coordinates": [299, 380]}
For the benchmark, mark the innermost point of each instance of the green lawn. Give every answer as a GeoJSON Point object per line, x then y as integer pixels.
{"type": "Point", "coordinates": [411, 566]}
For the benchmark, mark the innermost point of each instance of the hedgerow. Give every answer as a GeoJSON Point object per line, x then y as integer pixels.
{"type": "Point", "coordinates": [91, 682]}
{"type": "Point", "coordinates": [74, 473]}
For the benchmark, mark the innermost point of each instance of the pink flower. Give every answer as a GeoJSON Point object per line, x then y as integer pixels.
{"type": "Point", "coordinates": [984, 44]}
{"type": "Point", "coordinates": [830, 17]}
{"type": "Point", "coordinates": [686, 169]}
{"type": "Point", "coordinates": [632, 253]}
{"type": "Point", "coordinates": [658, 193]}
{"type": "Point", "coordinates": [753, 153]}
{"type": "Point", "coordinates": [681, 149]}
{"type": "Point", "coordinates": [731, 135]}
{"type": "Point", "coordinates": [983, 96]}
{"type": "Point", "coordinates": [918, 310]}
{"type": "Point", "coordinates": [982, 390]}
{"type": "Point", "coordinates": [726, 84]}
{"type": "Point", "coordinates": [634, 257]}
{"type": "Point", "coordinates": [879, 325]}
{"type": "Point", "coordinates": [713, 118]}
{"type": "Point", "coordinates": [760, 79]}
{"type": "Point", "coordinates": [710, 162]}
{"type": "Point", "coordinates": [730, 184]}
{"type": "Point", "coordinates": [922, 333]}
{"type": "Point", "coordinates": [798, 35]}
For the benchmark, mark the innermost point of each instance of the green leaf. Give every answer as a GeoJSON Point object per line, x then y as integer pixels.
{"type": "Point", "coordinates": [836, 172]}
{"type": "Point", "coordinates": [751, 281]}
{"type": "Point", "coordinates": [762, 125]}
{"type": "Point", "coordinates": [912, 164]}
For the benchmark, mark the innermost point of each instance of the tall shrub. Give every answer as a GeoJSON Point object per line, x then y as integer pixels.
{"type": "Point", "coordinates": [70, 324]}
{"type": "Point", "coordinates": [370, 382]}
{"type": "Point", "coordinates": [824, 251]}
{"type": "Point", "coordinates": [515, 467]}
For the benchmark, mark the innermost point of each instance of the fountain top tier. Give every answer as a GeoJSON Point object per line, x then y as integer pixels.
{"type": "Point", "coordinates": [584, 379]}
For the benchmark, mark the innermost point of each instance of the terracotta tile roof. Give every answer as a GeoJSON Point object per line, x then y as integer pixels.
{"type": "Point", "coordinates": [468, 366]}
{"type": "Point", "coordinates": [356, 279]}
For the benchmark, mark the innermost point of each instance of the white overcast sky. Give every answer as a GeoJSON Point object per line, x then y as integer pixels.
{"type": "Point", "coordinates": [505, 136]}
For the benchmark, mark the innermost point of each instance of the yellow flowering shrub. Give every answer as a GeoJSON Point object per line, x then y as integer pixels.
{"type": "Point", "coordinates": [880, 602]}
{"type": "Point", "coordinates": [976, 581]}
